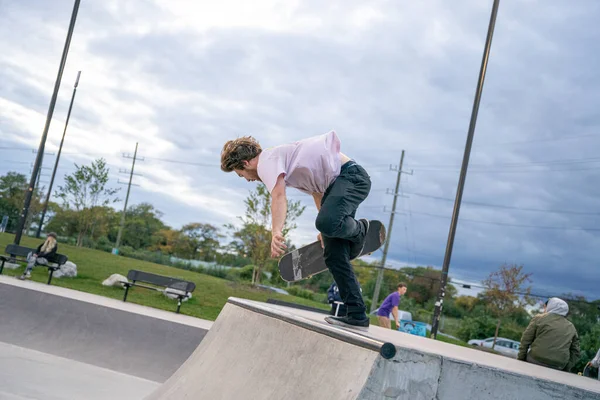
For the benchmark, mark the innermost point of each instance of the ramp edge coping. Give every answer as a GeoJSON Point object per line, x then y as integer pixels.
{"type": "Point", "coordinates": [386, 350]}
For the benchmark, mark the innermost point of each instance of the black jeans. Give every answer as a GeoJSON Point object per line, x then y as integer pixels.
{"type": "Point", "coordinates": [340, 229]}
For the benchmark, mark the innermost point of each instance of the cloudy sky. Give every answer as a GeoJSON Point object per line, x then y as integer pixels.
{"type": "Point", "coordinates": [182, 77]}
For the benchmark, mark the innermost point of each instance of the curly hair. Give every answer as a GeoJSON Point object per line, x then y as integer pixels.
{"type": "Point", "coordinates": [235, 152]}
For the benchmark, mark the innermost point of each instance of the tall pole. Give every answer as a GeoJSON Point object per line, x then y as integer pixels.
{"type": "Point", "coordinates": [463, 173]}
{"type": "Point", "coordinates": [39, 230]}
{"type": "Point", "coordinates": [126, 200]}
{"type": "Point", "coordinates": [40, 154]}
{"type": "Point", "coordinates": [388, 239]}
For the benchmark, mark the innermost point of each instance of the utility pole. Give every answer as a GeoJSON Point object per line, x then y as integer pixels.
{"type": "Point", "coordinates": [388, 237]}
{"type": "Point", "coordinates": [118, 243]}
{"type": "Point", "coordinates": [463, 173]}
{"type": "Point", "coordinates": [45, 209]}
{"type": "Point", "coordinates": [40, 154]}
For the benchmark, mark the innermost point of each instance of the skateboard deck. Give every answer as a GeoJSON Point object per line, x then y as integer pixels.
{"type": "Point", "coordinates": [308, 260]}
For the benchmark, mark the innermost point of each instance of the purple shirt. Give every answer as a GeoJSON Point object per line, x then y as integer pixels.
{"type": "Point", "coordinates": [388, 304]}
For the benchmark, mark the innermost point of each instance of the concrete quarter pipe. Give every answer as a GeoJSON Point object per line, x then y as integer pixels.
{"type": "Point", "coordinates": [260, 351]}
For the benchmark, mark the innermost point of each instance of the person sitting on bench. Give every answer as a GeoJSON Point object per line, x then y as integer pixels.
{"type": "Point", "coordinates": [41, 255]}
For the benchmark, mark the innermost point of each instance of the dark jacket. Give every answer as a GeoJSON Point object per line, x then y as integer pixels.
{"type": "Point", "coordinates": [333, 294]}
{"type": "Point", "coordinates": [552, 338]}
{"type": "Point", "coordinates": [48, 254]}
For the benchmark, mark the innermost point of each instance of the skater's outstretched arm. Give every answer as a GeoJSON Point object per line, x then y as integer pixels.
{"type": "Point", "coordinates": [278, 214]}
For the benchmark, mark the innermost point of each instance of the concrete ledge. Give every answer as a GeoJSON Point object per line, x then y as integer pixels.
{"type": "Point", "coordinates": [265, 351]}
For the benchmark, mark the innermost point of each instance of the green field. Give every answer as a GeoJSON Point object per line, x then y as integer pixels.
{"type": "Point", "coordinates": [95, 266]}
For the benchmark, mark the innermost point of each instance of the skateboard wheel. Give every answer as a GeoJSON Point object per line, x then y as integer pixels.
{"type": "Point", "coordinates": [387, 351]}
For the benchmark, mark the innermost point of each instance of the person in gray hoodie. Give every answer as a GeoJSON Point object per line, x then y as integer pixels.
{"type": "Point", "coordinates": [551, 339]}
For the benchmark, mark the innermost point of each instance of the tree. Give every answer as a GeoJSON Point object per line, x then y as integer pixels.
{"type": "Point", "coordinates": [64, 222]}
{"type": "Point", "coordinates": [253, 238]}
{"type": "Point", "coordinates": [505, 292]}
{"type": "Point", "coordinates": [466, 303]}
{"type": "Point", "coordinates": [166, 241]}
{"type": "Point", "coordinates": [142, 222]}
{"type": "Point", "coordinates": [12, 197]}
{"type": "Point", "coordinates": [199, 241]}
{"type": "Point", "coordinates": [589, 343]}
{"type": "Point", "coordinates": [479, 327]}
{"type": "Point", "coordinates": [585, 316]}
{"type": "Point", "coordinates": [84, 191]}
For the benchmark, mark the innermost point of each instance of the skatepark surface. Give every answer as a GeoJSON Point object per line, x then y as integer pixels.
{"type": "Point", "coordinates": [57, 343]}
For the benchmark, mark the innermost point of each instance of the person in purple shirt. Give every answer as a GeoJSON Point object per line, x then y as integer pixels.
{"type": "Point", "coordinates": [338, 185]}
{"type": "Point", "coordinates": [390, 305]}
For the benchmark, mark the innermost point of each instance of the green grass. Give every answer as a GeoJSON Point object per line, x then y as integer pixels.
{"type": "Point", "coordinates": [211, 294]}
{"type": "Point", "coordinates": [95, 266]}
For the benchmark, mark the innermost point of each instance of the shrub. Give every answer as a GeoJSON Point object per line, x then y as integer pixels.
{"type": "Point", "coordinates": [477, 328]}
{"type": "Point", "coordinates": [299, 292]}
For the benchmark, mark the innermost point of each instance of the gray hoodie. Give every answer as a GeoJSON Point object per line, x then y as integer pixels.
{"type": "Point", "coordinates": [557, 306]}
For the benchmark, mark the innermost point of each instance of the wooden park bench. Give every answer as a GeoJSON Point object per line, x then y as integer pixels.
{"type": "Point", "coordinates": [20, 253]}
{"type": "Point", "coordinates": [178, 287]}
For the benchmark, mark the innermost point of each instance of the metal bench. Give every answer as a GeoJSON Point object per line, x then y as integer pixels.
{"type": "Point", "coordinates": [182, 288]}
{"type": "Point", "coordinates": [17, 252]}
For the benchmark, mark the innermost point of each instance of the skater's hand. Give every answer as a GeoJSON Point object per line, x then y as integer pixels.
{"type": "Point", "coordinates": [277, 245]}
{"type": "Point", "coordinates": [320, 238]}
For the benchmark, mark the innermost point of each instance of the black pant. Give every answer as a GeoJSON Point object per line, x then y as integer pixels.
{"type": "Point", "coordinates": [340, 229]}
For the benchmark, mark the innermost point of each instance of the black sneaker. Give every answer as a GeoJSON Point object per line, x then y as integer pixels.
{"type": "Point", "coordinates": [357, 248]}
{"type": "Point", "coordinates": [349, 322]}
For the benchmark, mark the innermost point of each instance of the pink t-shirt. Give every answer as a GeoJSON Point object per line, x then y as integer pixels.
{"type": "Point", "coordinates": [309, 165]}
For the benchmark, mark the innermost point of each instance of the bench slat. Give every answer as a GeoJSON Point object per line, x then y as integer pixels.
{"type": "Point", "coordinates": [22, 251]}
{"type": "Point", "coordinates": [135, 276]}
{"type": "Point", "coordinates": [19, 251]}
{"type": "Point", "coordinates": [159, 280]}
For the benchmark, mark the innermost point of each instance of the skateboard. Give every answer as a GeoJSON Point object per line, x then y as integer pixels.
{"type": "Point", "coordinates": [308, 260]}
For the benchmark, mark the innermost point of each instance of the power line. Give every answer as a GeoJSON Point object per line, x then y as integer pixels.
{"type": "Point", "coordinates": [507, 171]}
{"type": "Point", "coordinates": [183, 162]}
{"type": "Point", "coordinates": [556, 139]}
{"type": "Point", "coordinates": [15, 162]}
{"type": "Point", "coordinates": [506, 206]}
{"type": "Point", "coordinates": [419, 167]}
{"type": "Point", "coordinates": [511, 225]}
{"type": "Point", "coordinates": [521, 164]}
{"type": "Point", "coordinates": [17, 148]}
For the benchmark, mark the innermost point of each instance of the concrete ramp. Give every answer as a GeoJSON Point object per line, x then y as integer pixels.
{"type": "Point", "coordinates": [260, 351]}
{"type": "Point", "coordinates": [57, 343]}
{"type": "Point", "coordinates": [94, 330]}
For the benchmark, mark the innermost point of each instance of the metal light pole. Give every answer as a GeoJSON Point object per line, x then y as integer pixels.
{"type": "Point", "coordinates": [40, 154]}
{"type": "Point", "coordinates": [463, 172]}
{"type": "Point", "coordinates": [39, 230]}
